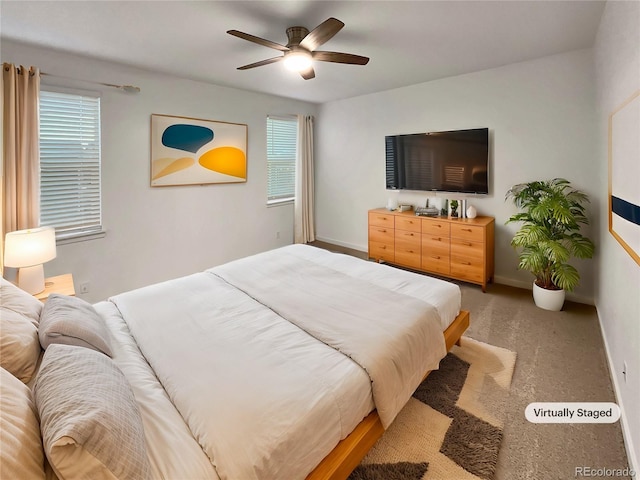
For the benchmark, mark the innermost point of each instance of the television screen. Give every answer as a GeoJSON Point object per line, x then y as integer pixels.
{"type": "Point", "coordinates": [454, 161]}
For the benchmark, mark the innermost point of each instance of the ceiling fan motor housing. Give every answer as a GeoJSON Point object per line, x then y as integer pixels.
{"type": "Point", "coordinates": [295, 35]}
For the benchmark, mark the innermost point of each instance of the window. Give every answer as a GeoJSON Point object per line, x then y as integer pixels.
{"type": "Point", "coordinates": [70, 163]}
{"type": "Point", "coordinates": [282, 139]}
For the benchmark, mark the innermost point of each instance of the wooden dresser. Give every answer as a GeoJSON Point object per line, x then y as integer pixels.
{"type": "Point", "coordinates": [456, 248]}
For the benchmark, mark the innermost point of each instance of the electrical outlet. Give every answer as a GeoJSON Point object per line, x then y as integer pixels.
{"type": "Point", "coordinates": [624, 371]}
{"type": "Point", "coordinates": [84, 287]}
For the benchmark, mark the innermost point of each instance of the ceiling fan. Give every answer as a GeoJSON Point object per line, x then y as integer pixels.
{"type": "Point", "coordinates": [300, 51]}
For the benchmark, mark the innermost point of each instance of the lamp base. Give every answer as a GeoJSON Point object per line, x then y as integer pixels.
{"type": "Point", "coordinates": [31, 279]}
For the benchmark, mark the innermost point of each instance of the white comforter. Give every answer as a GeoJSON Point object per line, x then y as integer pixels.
{"type": "Point", "coordinates": [260, 396]}
{"type": "Point", "coordinates": [395, 338]}
{"type": "Point", "coordinates": [252, 387]}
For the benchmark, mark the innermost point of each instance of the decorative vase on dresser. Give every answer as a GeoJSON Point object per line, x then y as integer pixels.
{"type": "Point", "coordinates": [456, 248]}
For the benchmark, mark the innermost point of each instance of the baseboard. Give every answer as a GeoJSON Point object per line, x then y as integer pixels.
{"type": "Point", "coordinates": [340, 243]}
{"type": "Point", "coordinates": [529, 286]}
{"type": "Point", "coordinates": [624, 425]}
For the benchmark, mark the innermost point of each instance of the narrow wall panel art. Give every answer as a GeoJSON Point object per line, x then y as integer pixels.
{"type": "Point", "coordinates": [624, 175]}
{"type": "Point", "coordinates": [192, 151]}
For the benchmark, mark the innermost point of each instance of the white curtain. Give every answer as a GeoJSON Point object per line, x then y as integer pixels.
{"type": "Point", "coordinates": [20, 149]}
{"type": "Point", "coordinates": [304, 222]}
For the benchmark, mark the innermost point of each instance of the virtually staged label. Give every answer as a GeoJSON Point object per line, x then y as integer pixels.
{"type": "Point", "coordinates": [572, 412]}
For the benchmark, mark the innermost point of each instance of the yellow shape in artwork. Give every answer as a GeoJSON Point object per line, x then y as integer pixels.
{"type": "Point", "coordinates": [227, 160]}
{"type": "Point", "coordinates": [162, 167]}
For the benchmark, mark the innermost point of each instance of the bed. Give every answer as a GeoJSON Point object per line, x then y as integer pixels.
{"type": "Point", "coordinates": [286, 364]}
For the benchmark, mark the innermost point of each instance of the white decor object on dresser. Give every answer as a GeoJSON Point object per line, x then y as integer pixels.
{"type": "Point", "coordinates": [471, 212]}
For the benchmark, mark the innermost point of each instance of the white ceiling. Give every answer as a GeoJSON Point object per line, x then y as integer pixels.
{"type": "Point", "coordinates": [408, 42]}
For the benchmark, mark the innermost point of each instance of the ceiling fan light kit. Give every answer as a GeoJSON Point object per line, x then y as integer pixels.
{"type": "Point", "coordinates": [297, 61]}
{"type": "Point", "coordinates": [301, 49]}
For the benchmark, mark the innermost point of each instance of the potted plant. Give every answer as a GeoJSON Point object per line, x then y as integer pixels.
{"type": "Point", "coordinates": [552, 213]}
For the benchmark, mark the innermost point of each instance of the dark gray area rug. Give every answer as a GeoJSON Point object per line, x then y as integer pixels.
{"type": "Point", "coordinates": [452, 426]}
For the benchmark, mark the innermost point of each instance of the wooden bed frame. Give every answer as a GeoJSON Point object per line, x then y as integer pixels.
{"type": "Point", "coordinates": [346, 456]}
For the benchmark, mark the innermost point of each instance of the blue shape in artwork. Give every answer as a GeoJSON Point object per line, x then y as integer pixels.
{"type": "Point", "coordinates": [186, 137]}
{"type": "Point", "coordinates": [626, 210]}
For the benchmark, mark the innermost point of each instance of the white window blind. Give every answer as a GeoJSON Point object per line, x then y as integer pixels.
{"type": "Point", "coordinates": [70, 163]}
{"type": "Point", "coordinates": [282, 139]}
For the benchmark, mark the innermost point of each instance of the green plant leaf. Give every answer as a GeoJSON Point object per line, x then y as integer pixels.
{"type": "Point", "coordinates": [565, 276]}
{"type": "Point", "coordinates": [556, 251]}
{"type": "Point", "coordinates": [581, 247]}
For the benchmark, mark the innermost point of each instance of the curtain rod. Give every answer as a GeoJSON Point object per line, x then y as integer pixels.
{"type": "Point", "coordinates": [126, 88]}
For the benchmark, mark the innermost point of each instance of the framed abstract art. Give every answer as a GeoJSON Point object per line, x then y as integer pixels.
{"type": "Point", "coordinates": [624, 175]}
{"type": "Point", "coordinates": [192, 151]}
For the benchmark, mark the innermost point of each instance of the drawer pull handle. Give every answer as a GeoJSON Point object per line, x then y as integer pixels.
{"type": "Point", "coordinates": [465, 263]}
{"type": "Point", "coordinates": [382, 231]}
{"type": "Point", "coordinates": [468, 244]}
{"type": "Point", "coordinates": [437, 239]}
{"type": "Point", "coordinates": [467, 230]}
{"type": "Point", "coordinates": [439, 226]}
{"type": "Point", "coordinates": [384, 247]}
{"type": "Point", "coordinates": [409, 234]}
{"type": "Point", "coordinates": [437, 257]}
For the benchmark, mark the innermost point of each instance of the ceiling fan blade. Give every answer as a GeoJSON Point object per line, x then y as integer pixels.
{"type": "Point", "coordinates": [337, 57]}
{"type": "Point", "coordinates": [321, 34]}
{"type": "Point", "coordinates": [261, 63]}
{"type": "Point", "coordinates": [258, 40]}
{"type": "Point", "coordinates": [308, 74]}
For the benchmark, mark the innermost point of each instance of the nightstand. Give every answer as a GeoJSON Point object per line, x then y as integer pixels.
{"type": "Point", "coordinates": [62, 284]}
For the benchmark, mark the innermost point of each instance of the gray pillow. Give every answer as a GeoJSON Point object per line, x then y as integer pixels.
{"type": "Point", "coordinates": [72, 321]}
{"type": "Point", "coordinates": [90, 422]}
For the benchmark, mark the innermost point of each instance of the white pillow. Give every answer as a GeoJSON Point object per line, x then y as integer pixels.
{"type": "Point", "coordinates": [19, 301]}
{"type": "Point", "coordinates": [90, 422]}
{"type": "Point", "coordinates": [21, 454]}
{"type": "Point", "coordinates": [19, 344]}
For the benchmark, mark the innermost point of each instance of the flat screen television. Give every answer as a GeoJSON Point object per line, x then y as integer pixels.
{"type": "Point", "coordinates": [454, 161]}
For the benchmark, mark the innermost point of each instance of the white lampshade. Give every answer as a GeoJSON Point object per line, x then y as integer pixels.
{"type": "Point", "coordinates": [25, 248]}
{"type": "Point", "coordinates": [28, 250]}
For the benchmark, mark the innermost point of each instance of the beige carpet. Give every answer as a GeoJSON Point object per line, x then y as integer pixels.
{"type": "Point", "coordinates": [451, 428]}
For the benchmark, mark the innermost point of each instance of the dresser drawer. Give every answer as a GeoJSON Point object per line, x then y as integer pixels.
{"type": "Point", "coordinates": [409, 259]}
{"type": "Point", "coordinates": [407, 247]}
{"type": "Point", "coordinates": [381, 234]}
{"type": "Point", "coordinates": [467, 249]}
{"type": "Point", "coordinates": [435, 227]}
{"type": "Point", "coordinates": [381, 251]}
{"type": "Point", "coordinates": [404, 237]}
{"type": "Point", "coordinates": [467, 232]}
{"type": "Point", "coordinates": [467, 269]}
{"type": "Point", "coordinates": [381, 219]}
{"type": "Point", "coordinates": [411, 224]}
{"type": "Point", "coordinates": [435, 257]}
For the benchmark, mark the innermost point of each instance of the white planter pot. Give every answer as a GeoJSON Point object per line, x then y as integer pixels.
{"type": "Point", "coordinates": [548, 299]}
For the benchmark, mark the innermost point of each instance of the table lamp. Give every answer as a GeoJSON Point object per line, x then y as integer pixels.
{"type": "Point", "coordinates": [27, 250]}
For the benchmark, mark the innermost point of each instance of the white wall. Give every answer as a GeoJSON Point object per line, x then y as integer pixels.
{"type": "Point", "coordinates": [542, 125]}
{"type": "Point", "coordinates": [617, 62]}
{"type": "Point", "coordinates": [153, 234]}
